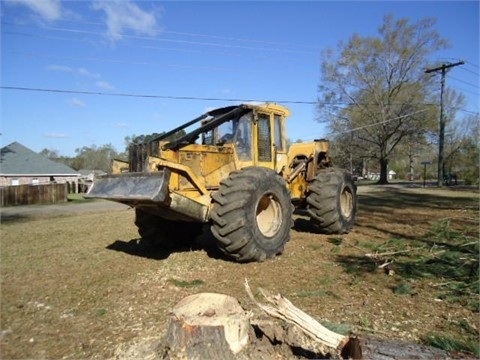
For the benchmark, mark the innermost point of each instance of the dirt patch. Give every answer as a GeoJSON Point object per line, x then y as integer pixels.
{"type": "Point", "coordinates": [77, 284]}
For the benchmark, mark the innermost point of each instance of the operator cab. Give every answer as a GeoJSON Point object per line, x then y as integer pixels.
{"type": "Point", "coordinates": [257, 132]}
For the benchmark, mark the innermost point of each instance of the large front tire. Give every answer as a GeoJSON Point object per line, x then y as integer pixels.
{"type": "Point", "coordinates": [332, 201]}
{"type": "Point", "coordinates": [252, 215]}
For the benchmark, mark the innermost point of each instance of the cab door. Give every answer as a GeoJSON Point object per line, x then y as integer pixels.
{"type": "Point", "coordinates": [263, 139]}
{"type": "Point", "coordinates": [280, 143]}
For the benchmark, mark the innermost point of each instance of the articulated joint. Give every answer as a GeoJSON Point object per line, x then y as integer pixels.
{"type": "Point", "coordinates": [298, 169]}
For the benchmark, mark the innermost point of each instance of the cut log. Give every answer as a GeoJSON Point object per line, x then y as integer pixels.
{"type": "Point", "coordinates": [382, 349]}
{"type": "Point", "coordinates": [207, 326]}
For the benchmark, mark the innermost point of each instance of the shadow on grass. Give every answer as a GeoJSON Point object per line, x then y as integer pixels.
{"type": "Point", "coordinates": [306, 226]}
{"type": "Point", "coordinates": [6, 218]}
{"type": "Point", "coordinates": [146, 249]}
{"type": "Point", "coordinates": [394, 198]}
{"type": "Point", "coordinates": [138, 247]}
{"type": "Point", "coordinates": [385, 202]}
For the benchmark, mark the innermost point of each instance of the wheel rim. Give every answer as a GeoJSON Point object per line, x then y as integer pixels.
{"type": "Point", "coordinates": [269, 215]}
{"type": "Point", "coordinates": [346, 202]}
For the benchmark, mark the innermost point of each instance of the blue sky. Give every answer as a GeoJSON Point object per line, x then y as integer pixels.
{"type": "Point", "coordinates": [218, 50]}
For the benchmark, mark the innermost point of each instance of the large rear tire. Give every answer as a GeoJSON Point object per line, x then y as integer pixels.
{"type": "Point", "coordinates": [252, 215]}
{"type": "Point", "coordinates": [332, 201]}
{"type": "Point", "coordinates": [164, 233]}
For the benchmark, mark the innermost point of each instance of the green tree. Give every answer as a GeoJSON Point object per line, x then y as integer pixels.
{"type": "Point", "coordinates": [139, 139]}
{"type": "Point", "coordinates": [94, 157]}
{"type": "Point", "coordinates": [465, 160]}
{"type": "Point", "coordinates": [374, 89]}
{"type": "Point", "coordinates": [52, 154]}
{"type": "Point", "coordinates": [409, 155]}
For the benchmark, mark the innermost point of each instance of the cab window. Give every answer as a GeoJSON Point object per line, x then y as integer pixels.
{"type": "Point", "coordinates": [243, 136]}
{"type": "Point", "coordinates": [263, 138]}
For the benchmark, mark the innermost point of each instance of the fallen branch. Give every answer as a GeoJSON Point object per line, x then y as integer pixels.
{"type": "Point", "coordinates": [388, 253]}
{"type": "Point", "coordinates": [282, 308]}
{"type": "Point", "coordinates": [469, 243]}
{"type": "Point", "coordinates": [385, 264]}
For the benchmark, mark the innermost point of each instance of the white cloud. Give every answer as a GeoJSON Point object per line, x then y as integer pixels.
{"type": "Point", "coordinates": [121, 125]}
{"type": "Point", "coordinates": [76, 102]}
{"type": "Point", "coordinates": [55, 135]}
{"type": "Point", "coordinates": [126, 15]}
{"type": "Point", "coordinates": [85, 72]}
{"type": "Point", "coordinates": [60, 68]}
{"type": "Point", "coordinates": [49, 10]}
{"type": "Point", "coordinates": [67, 69]}
{"type": "Point", "coordinates": [104, 85]}
{"type": "Point", "coordinates": [101, 84]}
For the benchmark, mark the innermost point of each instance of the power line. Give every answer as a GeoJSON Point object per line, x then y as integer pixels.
{"type": "Point", "coordinates": [214, 68]}
{"type": "Point", "coordinates": [463, 81]}
{"type": "Point", "coordinates": [138, 46]}
{"type": "Point", "coordinates": [373, 124]}
{"type": "Point", "coordinates": [382, 122]}
{"type": "Point", "coordinates": [182, 33]}
{"type": "Point", "coordinates": [465, 90]}
{"type": "Point", "coordinates": [311, 47]}
{"type": "Point", "coordinates": [180, 41]}
{"type": "Point", "coordinates": [472, 64]}
{"type": "Point", "coordinates": [339, 105]}
{"type": "Point", "coordinates": [259, 53]}
{"type": "Point", "coordinates": [63, 91]}
{"type": "Point", "coordinates": [470, 71]}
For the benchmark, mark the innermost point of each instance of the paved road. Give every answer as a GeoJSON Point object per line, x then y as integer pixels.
{"type": "Point", "coordinates": [16, 212]}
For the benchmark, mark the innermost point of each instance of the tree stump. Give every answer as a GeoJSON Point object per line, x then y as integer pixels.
{"type": "Point", "coordinates": [207, 326]}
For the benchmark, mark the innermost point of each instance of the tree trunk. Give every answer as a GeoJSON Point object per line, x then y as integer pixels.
{"type": "Point", "coordinates": [383, 171]}
{"type": "Point", "coordinates": [374, 348]}
{"type": "Point", "coordinates": [206, 326]}
{"type": "Point", "coordinates": [411, 174]}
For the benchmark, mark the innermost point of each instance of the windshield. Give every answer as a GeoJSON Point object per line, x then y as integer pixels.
{"type": "Point", "coordinates": [232, 131]}
{"type": "Point", "coordinates": [215, 129]}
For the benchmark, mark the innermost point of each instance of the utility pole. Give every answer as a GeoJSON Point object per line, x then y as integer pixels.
{"type": "Point", "coordinates": [443, 68]}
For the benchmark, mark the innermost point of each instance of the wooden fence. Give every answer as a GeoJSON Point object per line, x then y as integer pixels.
{"type": "Point", "coordinates": [33, 194]}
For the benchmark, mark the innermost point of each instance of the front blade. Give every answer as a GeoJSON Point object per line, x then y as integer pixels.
{"type": "Point", "coordinates": [131, 187]}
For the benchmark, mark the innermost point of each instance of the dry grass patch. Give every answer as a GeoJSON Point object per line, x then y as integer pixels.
{"type": "Point", "coordinates": [78, 286]}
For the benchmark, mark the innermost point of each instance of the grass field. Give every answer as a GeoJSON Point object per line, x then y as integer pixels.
{"type": "Point", "coordinates": [78, 286]}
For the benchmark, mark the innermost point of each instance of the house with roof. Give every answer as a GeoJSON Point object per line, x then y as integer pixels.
{"type": "Point", "coordinates": [21, 166]}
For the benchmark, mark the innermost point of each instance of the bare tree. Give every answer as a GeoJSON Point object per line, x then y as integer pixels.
{"type": "Point", "coordinates": [455, 129]}
{"type": "Point", "coordinates": [462, 149]}
{"type": "Point", "coordinates": [376, 88]}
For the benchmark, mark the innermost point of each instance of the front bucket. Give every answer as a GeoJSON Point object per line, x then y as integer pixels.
{"type": "Point", "coordinates": [131, 187]}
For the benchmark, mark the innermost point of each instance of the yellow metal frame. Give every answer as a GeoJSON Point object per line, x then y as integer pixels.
{"type": "Point", "coordinates": [197, 170]}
